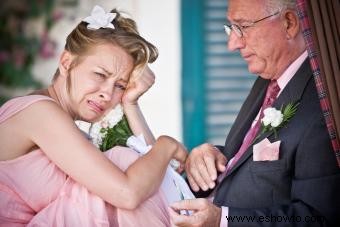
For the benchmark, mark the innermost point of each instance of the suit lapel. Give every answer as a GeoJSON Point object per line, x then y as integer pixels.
{"type": "Point", "coordinates": [291, 93]}
{"type": "Point", "coordinates": [245, 117]}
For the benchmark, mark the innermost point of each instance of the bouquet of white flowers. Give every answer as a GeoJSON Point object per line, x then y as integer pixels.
{"type": "Point", "coordinates": [111, 131]}
{"type": "Point", "coordinates": [114, 130]}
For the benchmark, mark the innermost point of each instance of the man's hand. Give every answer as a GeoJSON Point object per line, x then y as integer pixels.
{"type": "Point", "coordinates": [204, 213]}
{"type": "Point", "coordinates": [202, 165]}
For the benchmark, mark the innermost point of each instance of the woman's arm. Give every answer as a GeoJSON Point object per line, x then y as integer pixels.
{"type": "Point", "coordinates": [137, 87]}
{"type": "Point", "coordinates": [55, 133]}
{"type": "Point", "coordinates": [138, 123]}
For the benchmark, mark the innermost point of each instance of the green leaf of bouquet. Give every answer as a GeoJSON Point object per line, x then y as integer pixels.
{"type": "Point", "coordinates": [117, 135]}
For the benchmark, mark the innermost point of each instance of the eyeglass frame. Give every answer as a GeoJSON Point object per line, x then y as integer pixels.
{"type": "Point", "coordinates": [238, 29]}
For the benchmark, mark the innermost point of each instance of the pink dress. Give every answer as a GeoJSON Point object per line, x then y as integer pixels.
{"type": "Point", "coordinates": [35, 192]}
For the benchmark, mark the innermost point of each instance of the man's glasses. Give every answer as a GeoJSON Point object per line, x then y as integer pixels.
{"type": "Point", "coordinates": [239, 29]}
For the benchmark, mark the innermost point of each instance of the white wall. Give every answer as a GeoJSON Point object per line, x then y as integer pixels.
{"type": "Point", "coordinates": [158, 22]}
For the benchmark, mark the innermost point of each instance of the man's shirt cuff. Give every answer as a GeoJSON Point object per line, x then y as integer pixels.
{"type": "Point", "coordinates": [224, 215]}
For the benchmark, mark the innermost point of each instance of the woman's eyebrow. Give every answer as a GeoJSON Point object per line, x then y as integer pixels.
{"type": "Point", "coordinates": [106, 71]}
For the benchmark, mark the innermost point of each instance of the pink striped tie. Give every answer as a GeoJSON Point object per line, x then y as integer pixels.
{"type": "Point", "coordinates": [272, 91]}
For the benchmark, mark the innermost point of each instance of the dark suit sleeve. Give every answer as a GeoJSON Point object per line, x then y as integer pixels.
{"type": "Point", "coordinates": [220, 148]}
{"type": "Point", "coordinates": [315, 188]}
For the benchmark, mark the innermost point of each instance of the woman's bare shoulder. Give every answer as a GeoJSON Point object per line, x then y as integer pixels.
{"type": "Point", "coordinates": [42, 109]}
{"type": "Point", "coordinates": [17, 130]}
{"type": "Point", "coordinates": [42, 115]}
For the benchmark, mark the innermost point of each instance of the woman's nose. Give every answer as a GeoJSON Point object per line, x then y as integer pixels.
{"type": "Point", "coordinates": [106, 91]}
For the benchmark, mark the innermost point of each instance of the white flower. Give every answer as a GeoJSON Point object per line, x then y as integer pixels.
{"type": "Point", "coordinates": [100, 19]}
{"type": "Point", "coordinates": [114, 116]}
{"type": "Point", "coordinates": [110, 120]}
{"type": "Point", "coordinates": [104, 124]}
{"type": "Point", "coordinates": [275, 119]}
{"type": "Point", "coordinates": [272, 117]}
{"type": "Point", "coordinates": [95, 134]}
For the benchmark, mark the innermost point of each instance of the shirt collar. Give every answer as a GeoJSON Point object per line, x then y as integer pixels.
{"type": "Point", "coordinates": [288, 74]}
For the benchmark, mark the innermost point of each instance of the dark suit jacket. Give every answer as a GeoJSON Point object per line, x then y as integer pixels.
{"type": "Point", "coordinates": [303, 184]}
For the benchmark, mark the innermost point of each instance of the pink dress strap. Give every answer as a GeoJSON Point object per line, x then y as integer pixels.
{"type": "Point", "coordinates": [17, 104]}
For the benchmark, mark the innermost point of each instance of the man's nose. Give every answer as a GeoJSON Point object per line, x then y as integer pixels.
{"type": "Point", "coordinates": [235, 42]}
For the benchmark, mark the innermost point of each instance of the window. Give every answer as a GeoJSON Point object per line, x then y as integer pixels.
{"type": "Point", "coordinates": [215, 82]}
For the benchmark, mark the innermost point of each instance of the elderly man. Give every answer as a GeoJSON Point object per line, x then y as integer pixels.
{"type": "Point", "coordinates": [288, 175]}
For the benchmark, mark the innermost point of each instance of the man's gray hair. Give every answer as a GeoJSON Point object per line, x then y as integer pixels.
{"type": "Point", "coordinates": [272, 6]}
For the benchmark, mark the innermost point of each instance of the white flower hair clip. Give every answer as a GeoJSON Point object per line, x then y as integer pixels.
{"type": "Point", "coordinates": [100, 19]}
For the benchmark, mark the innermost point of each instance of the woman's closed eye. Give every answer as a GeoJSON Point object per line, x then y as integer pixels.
{"type": "Point", "coordinates": [102, 75]}
{"type": "Point", "coordinates": [120, 86]}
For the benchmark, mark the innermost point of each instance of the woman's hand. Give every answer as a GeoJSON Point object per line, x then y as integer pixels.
{"type": "Point", "coordinates": [180, 155]}
{"type": "Point", "coordinates": [169, 144]}
{"type": "Point", "coordinates": [138, 86]}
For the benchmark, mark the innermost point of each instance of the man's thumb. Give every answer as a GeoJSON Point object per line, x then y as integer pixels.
{"type": "Point", "coordinates": [221, 162]}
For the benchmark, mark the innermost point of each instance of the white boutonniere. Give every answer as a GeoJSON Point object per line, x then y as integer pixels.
{"type": "Point", "coordinates": [100, 19]}
{"type": "Point", "coordinates": [274, 119]}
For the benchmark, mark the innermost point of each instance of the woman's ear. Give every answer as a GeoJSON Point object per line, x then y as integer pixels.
{"type": "Point", "coordinates": [65, 61]}
{"type": "Point", "coordinates": [291, 24]}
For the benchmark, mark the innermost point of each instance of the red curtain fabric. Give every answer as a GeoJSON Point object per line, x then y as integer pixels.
{"type": "Point", "coordinates": [321, 27]}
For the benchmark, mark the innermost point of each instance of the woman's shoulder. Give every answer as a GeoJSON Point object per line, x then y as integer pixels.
{"type": "Point", "coordinates": [42, 110]}
{"type": "Point", "coordinates": [18, 121]}
{"type": "Point", "coordinates": [17, 104]}
{"type": "Point", "coordinates": [28, 115]}
{"type": "Point", "coordinates": [28, 98]}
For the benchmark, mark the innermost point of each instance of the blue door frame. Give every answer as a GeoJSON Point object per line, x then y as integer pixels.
{"type": "Point", "coordinates": [192, 72]}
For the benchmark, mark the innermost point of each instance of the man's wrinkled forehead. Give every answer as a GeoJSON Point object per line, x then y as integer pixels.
{"type": "Point", "coordinates": [242, 10]}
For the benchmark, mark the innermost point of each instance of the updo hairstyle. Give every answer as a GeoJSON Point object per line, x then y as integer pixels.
{"type": "Point", "coordinates": [125, 35]}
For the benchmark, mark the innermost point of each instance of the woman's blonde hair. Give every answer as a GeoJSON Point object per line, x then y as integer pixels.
{"type": "Point", "coordinates": [124, 35]}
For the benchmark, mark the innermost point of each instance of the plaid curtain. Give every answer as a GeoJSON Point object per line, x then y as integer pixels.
{"type": "Point", "coordinates": [314, 54]}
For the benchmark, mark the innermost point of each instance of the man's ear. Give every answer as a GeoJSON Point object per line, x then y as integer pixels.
{"type": "Point", "coordinates": [291, 24]}
{"type": "Point", "coordinates": [65, 61]}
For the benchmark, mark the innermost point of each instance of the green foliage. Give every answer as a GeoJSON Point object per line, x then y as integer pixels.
{"type": "Point", "coordinates": [289, 111]}
{"type": "Point", "coordinates": [18, 50]}
{"type": "Point", "coordinates": [117, 135]}
{"type": "Point", "coordinates": [3, 99]}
